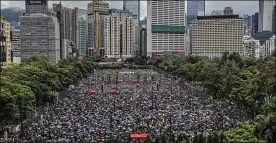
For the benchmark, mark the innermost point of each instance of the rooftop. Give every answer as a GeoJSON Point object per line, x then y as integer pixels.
{"type": "Point", "coordinates": [218, 17]}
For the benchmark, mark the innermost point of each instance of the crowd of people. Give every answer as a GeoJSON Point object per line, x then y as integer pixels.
{"type": "Point", "coordinates": [126, 104]}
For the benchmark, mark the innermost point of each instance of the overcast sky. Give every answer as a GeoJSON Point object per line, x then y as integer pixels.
{"type": "Point", "coordinates": [240, 7]}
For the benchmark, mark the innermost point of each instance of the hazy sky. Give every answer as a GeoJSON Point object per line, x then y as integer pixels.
{"type": "Point", "coordinates": [240, 7]}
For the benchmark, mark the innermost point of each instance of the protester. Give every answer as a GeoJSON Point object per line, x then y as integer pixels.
{"type": "Point", "coordinates": [148, 106]}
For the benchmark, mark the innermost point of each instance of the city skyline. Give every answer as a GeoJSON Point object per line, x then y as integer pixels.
{"type": "Point", "coordinates": [240, 7]}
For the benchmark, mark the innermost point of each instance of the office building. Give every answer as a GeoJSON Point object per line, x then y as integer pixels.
{"type": "Point", "coordinates": [274, 20]}
{"type": "Point", "coordinates": [166, 21]}
{"type": "Point", "coordinates": [97, 10]}
{"type": "Point", "coordinates": [67, 23]}
{"type": "Point", "coordinates": [133, 6]}
{"type": "Point", "coordinates": [255, 23]}
{"type": "Point", "coordinates": [201, 8]}
{"type": "Point", "coordinates": [263, 36]}
{"type": "Point", "coordinates": [136, 38]}
{"type": "Point", "coordinates": [66, 48]}
{"type": "Point", "coordinates": [5, 41]}
{"type": "Point", "coordinates": [74, 19]}
{"type": "Point", "coordinates": [195, 8]}
{"type": "Point", "coordinates": [81, 32]}
{"type": "Point", "coordinates": [58, 8]}
{"type": "Point", "coordinates": [265, 15]}
{"type": "Point", "coordinates": [36, 6]}
{"type": "Point", "coordinates": [228, 11]}
{"type": "Point", "coordinates": [119, 34]}
{"type": "Point", "coordinates": [15, 24]}
{"type": "Point", "coordinates": [214, 35]}
{"type": "Point", "coordinates": [143, 39]}
{"type": "Point", "coordinates": [16, 45]}
{"type": "Point", "coordinates": [143, 43]}
{"type": "Point", "coordinates": [247, 24]}
{"type": "Point", "coordinates": [39, 36]}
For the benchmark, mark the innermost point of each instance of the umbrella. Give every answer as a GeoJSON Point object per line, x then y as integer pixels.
{"type": "Point", "coordinates": [92, 91]}
{"type": "Point", "coordinates": [138, 136]}
{"type": "Point", "coordinates": [135, 81]}
{"type": "Point", "coordinates": [113, 91]}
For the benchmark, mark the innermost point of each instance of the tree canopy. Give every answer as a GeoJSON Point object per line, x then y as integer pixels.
{"type": "Point", "coordinates": [33, 83]}
{"type": "Point", "coordinates": [245, 81]}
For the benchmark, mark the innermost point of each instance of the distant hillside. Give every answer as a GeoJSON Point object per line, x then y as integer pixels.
{"type": "Point", "coordinates": [11, 14]}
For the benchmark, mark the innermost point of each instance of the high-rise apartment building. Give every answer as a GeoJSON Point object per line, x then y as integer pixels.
{"type": "Point", "coordinates": [16, 45]}
{"type": "Point", "coordinates": [5, 41]}
{"type": "Point", "coordinates": [251, 48]}
{"type": "Point", "coordinates": [39, 36]}
{"type": "Point", "coordinates": [255, 23]}
{"type": "Point", "coordinates": [36, 6]}
{"type": "Point", "coordinates": [112, 36]}
{"type": "Point", "coordinates": [133, 6]}
{"type": "Point", "coordinates": [269, 47]}
{"type": "Point", "coordinates": [96, 10]}
{"type": "Point", "coordinates": [265, 15]}
{"type": "Point", "coordinates": [119, 34]}
{"type": "Point", "coordinates": [214, 35]}
{"type": "Point", "coordinates": [166, 21]}
{"type": "Point", "coordinates": [128, 35]}
{"type": "Point", "coordinates": [81, 32]}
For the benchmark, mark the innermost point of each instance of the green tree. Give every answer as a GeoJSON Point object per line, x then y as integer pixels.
{"type": "Point", "coordinates": [243, 133]}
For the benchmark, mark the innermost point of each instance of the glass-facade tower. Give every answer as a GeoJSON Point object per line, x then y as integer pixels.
{"type": "Point", "coordinates": [195, 8]}
{"type": "Point", "coordinates": [133, 6]}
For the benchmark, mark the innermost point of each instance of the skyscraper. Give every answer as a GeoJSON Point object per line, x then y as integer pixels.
{"type": "Point", "coordinates": [265, 15]}
{"type": "Point", "coordinates": [133, 6]}
{"type": "Point", "coordinates": [274, 20]}
{"type": "Point", "coordinates": [119, 34]}
{"type": "Point", "coordinates": [255, 23]}
{"type": "Point", "coordinates": [102, 10]}
{"type": "Point", "coordinates": [228, 11]}
{"type": "Point", "coordinates": [58, 8]}
{"type": "Point", "coordinates": [195, 8]}
{"type": "Point", "coordinates": [166, 23]}
{"type": "Point", "coordinates": [39, 36]}
{"type": "Point", "coordinates": [67, 22]}
{"type": "Point", "coordinates": [81, 32]}
{"type": "Point", "coordinates": [16, 45]}
{"type": "Point", "coordinates": [74, 19]}
{"type": "Point", "coordinates": [247, 24]}
{"type": "Point", "coordinates": [201, 8]}
{"type": "Point", "coordinates": [211, 35]}
{"type": "Point", "coordinates": [36, 6]}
